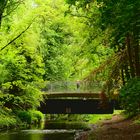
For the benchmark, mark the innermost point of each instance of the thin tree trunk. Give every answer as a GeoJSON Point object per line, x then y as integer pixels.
{"type": "Point", "coordinates": [127, 72]}
{"type": "Point", "coordinates": [130, 58]}
{"type": "Point", "coordinates": [122, 75]}
{"type": "Point", "coordinates": [0, 19]}
{"type": "Point", "coordinates": [136, 46]}
{"type": "Point", "coordinates": [137, 59]}
{"type": "Point", "coordinates": [136, 39]}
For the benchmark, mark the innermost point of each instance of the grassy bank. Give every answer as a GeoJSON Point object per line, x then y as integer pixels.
{"type": "Point", "coordinates": [95, 118]}
{"type": "Point", "coordinates": [66, 125]}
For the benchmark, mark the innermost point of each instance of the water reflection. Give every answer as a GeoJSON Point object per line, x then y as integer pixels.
{"type": "Point", "coordinates": [38, 135]}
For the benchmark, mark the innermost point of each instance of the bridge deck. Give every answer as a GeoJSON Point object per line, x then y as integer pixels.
{"type": "Point", "coordinates": [71, 94]}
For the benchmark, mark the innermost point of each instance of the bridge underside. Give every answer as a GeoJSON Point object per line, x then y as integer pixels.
{"type": "Point", "coordinates": [76, 106]}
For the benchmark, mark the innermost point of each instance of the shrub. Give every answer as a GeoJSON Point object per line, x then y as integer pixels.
{"type": "Point", "coordinates": [24, 116]}
{"type": "Point", "coordinates": [130, 96]}
{"type": "Point", "coordinates": [36, 116]}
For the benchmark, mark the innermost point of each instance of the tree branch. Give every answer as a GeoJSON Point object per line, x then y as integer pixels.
{"type": "Point", "coordinates": [18, 35]}
{"type": "Point", "coordinates": [15, 6]}
{"type": "Point", "coordinates": [77, 15]}
{"type": "Point", "coordinates": [11, 11]}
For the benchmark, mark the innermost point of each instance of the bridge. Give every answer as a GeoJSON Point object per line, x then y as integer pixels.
{"type": "Point", "coordinates": [65, 97]}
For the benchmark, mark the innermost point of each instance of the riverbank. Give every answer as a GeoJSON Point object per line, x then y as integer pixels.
{"type": "Point", "coordinates": [117, 128]}
{"type": "Point", "coordinates": [19, 119]}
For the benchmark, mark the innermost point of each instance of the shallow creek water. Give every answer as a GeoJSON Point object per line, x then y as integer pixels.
{"type": "Point", "coordinates": [38, 135]}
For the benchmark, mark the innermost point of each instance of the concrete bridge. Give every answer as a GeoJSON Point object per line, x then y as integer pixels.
{"type": "Point", "coordinates": [75, 98]}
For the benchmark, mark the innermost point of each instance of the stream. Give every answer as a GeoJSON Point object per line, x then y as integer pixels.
{"type": "Point", "coordinates": [48, 130]}
{"type": "Point", "coordinates": [38, 135]}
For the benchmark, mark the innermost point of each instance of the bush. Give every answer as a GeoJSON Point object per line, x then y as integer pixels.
{"type": "Point", "coordinates": [25, 116]}
{"type": "Point", "coordinates": [36, 116]}
{"type": "Point", "coordinates": [30, 117]}
{"type": "Point", "coordinates": [130, 96]}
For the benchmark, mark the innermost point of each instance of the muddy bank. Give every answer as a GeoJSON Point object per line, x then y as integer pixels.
{"type": "Point", "coordinates": [117, 128]}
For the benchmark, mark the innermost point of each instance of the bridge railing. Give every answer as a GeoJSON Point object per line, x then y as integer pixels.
{"type": "Point", "coordinates": [75, 87]}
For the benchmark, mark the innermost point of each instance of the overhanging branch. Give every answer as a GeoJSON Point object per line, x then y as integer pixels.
{"type": "Point", "coordinates": [17, 36]}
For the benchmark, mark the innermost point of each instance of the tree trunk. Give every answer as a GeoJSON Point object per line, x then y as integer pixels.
{"type": "Point", "coordinates": [130, 54]}
{"type": "Point", "coordinates": [127, 73]}
{"type": "Point", "coordinates": [136, 39]}
{"type": "Point", "coordinates": [137, 60]}
{"type": "Point", "coordinates": [136, 47]}
{"type": "Point", "coordinates": [122, 75]}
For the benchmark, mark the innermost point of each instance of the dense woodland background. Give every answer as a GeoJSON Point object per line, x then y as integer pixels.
{"type": "Point", "coordinates": [57, 40]}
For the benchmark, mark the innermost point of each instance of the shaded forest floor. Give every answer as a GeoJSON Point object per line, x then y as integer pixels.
{"type": "Point", "coordinates": [118, 128]}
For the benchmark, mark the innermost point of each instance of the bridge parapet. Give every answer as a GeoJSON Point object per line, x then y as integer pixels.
{"type": "Point", "coordinates": [73, 87]}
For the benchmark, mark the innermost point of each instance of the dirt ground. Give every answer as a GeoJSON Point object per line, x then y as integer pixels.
{"type": "Point", "coordinates": [117, 128]}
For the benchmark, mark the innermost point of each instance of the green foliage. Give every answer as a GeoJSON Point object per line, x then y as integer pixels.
{"type": "Point", "coordinates": [21, 65]}
{"type": "Point", "coordinates": [110, 24]}
{"type": "Point", "coordinates": [130, 96]}
{"type": "Point", "coordinates": [30, 117]}
{"type": "Point", "coordinates": [36, 116]}
{"type": "Point", "coordinates": [25, 116]}
{"type": "Point", "coordinates": [54, 40]}
{"type": "Point", "coordinates": [34, 56]}
{"type": "Point", "coordinates": [19, 85]}
{"type": "Point", "coordinates": [7, 119]}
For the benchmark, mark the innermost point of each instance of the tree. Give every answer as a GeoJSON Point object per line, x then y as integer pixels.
{"type": "Point", "coordinates": [117, 24]}
{"type": "Point", "coordinates": [21, 62]}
